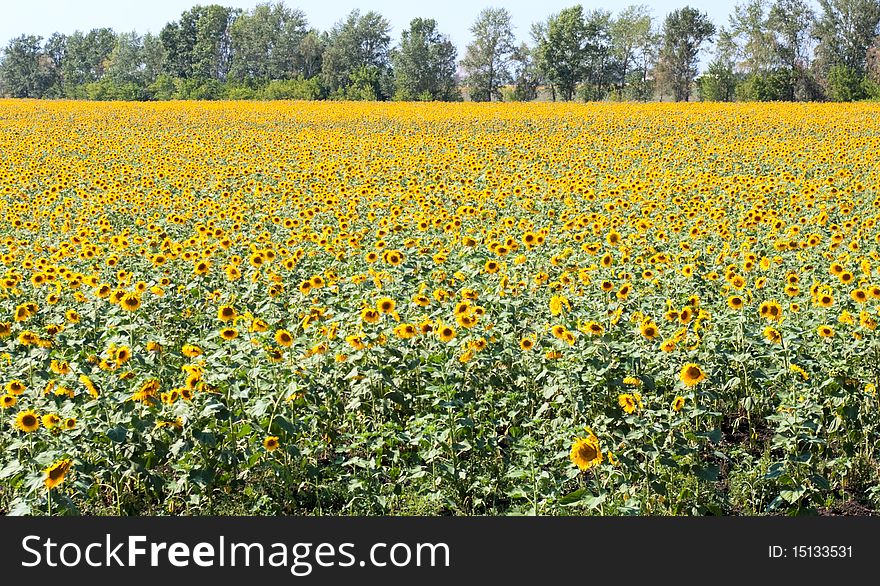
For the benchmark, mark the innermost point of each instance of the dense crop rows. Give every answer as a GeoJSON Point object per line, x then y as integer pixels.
{"type": "Point", "coordinates": [428, 308]}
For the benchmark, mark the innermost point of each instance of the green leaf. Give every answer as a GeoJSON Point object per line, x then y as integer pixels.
{"type": "Point", "coordinates": [118, 434]}
{"type": "Point", "coordinates": [573, 497]}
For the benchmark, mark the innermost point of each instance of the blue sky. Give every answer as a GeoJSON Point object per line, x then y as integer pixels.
{"type": "Point", "coordinates": [454, 17]}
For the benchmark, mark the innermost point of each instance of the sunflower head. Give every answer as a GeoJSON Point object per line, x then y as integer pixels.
{"type": "Point", "coordinates": [585, 452]}
{"type": "Point", "coordinates": [691, 374]}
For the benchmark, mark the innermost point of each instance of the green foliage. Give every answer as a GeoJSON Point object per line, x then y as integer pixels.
{"type": "Point", "coordinates": [291, 89]}
{"type": "Point", "coordinates": [718, 84]}
{"type": "Point", "coordinates": [845, 84]}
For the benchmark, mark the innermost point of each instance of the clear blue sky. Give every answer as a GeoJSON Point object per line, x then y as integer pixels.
{"type": "Point", "coordinates": [454, 17]}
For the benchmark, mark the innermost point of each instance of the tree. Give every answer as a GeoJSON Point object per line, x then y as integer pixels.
{"type": "Point", "coordinates": [310, 53]}
{"type": "Point", "coordinates": [55, 50]}
{"type": "Point", "coordinates": [845, 31]}
{"type": "Point", "coordinates": [750, 30]}
{"type": "Point", "coordinates": [212, 51]}
{"type": "Point", "coordinates": [24, 72]}
{"type": "Point", "coordinates": [487, 61]}
{"type": "Point", "coordinates": [357, 57]}
{"type": "Point", "coordinates": [126, 61]}
{"type": "Point", "coordinates": [198, 45]}
{"type": "Point", "coordinates": [266, 43]}
{"type": "Point", "coordinates": [630, 37]}
{"type": "Point", "coordinates": [598, 75]}
{"type": "Point", "coordinates": [153, 57]}
{"type": "Point", "coordinates": [684, 32]}
{"type": "Point", "coordinates": [526, 76]}
{"type": "Point", "coordinates": [562, 48]}
{"type": "Point", "coordinates": [424, 64]}
{"type": "Point", "coordinates": [791, 23]}
{"type": "Point", "coordinates": [718, 84]}
{"type": "Point", "coordinates": [85, 58]}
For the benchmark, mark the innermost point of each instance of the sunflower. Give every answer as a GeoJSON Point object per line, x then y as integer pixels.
{"type": "Point", "coordinates": [283, 338]}
{"type": "Point", "coordinates": [191, 350]}
{"type": "Point", "coordinates": [491, 266]}
{"type": "Point", "coordinates": [629, 402]}
{"type": "Point", "coordinates": [56, 472]}
{"type": "Point", "coordinates": [466, 320]}
{"type": "Point", "coordinates": [89, 385]}
{"type": "Point", "coordinates": [770, 310]}
{"type": "Point", "coordinates": [232, 273]}
{"type": "Point", "coordinates": [526, 344]}
{"type": "Point", "coordinates": [593, 328]}
{"type": "Point", "coordinates": [226, 313]}
{"type": "Point", "coordinates": [691, 374]}
{"type": "Point", "coordinates": [72, 316]}
{"type": "Point", "coordinates": [356, 341]}
{"type": "Point", "coordinates": [69, 423]}
{"type": "Point", "coordinates": [859, 295]}
{"type": "Point", "coordinates": [446, 333]}
{"type": "Point", "coordinates": [385, 305]}
{"type": "Point", "coordinates": [735, 302]}
{"type": "Point", "coordinates": [678, 404]}
{"type": "Point", "coordinates": [122, 355]}
{"type": "Point", "coordinates": [585, 452]}
{"type": "Point", "coordinates": [15, 387]}
{"type": "Point", "coordinates": [27, 421]}
{"type": "Point", "coordinates": [825, 331]}
{"type": "Point", "coordinates": [369, 315]}
{"type": "Point", "coordinates": [229, 333]}
{"type": "Point", "coordinates": [649, 330]}
{"type": "Point", "coordinates": [130, 302]}
{"type": "Point", "coordinates": [147, 392]}
{"type": "Point", "coordinates": [50, 420]}
{"type": "Point", "coordinates": [405, 331]}
{"type": "Point", "coordinates": [271, 443]}
{"type": "Point", "coordinates": [558, 331]}
{"type": "Point", "coordinates": [772, 335]}
{"type": "Point", "coordinates": [824, 300]}
{"type": "Point", "coordinates": [8, 401]}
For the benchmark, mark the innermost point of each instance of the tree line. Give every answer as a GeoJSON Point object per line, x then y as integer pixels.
{"type": "Point", "coordinates": [769, 50]}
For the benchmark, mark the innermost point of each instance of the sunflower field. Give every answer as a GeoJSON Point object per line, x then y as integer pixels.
{"type": "Point", "coordinates": [394, 309]}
